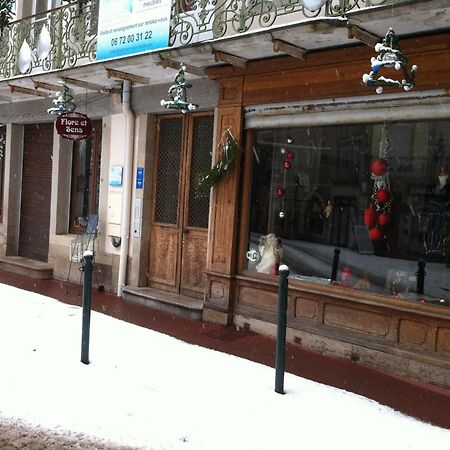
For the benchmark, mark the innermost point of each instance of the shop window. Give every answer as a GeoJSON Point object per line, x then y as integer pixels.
{"type": "Point", "coordinates": [2, 167]}
{"type": "Point", "coordinates": [85, 179]}
{"type": "Point", "coordinates": [311, 192]}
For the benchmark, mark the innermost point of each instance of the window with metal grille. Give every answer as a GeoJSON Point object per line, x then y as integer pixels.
{"type": "Point", "coordinates": [169, 158]}
{"type": "Point", "coordinates": [202, 140]}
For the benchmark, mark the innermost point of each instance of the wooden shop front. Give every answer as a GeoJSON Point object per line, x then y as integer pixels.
{"type": "Point", "coordinates": [311, 180]}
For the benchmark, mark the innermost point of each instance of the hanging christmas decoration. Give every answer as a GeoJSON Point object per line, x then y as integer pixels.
{"type": "Point", "coordinates": [288, 156]}
{"type": "Point", "coordinates": [370, 216]}
{"type": "Point", "coordinates": [6, 14]}
{"type": "Point", "coordinates": [378, 214]}
{"type": "Point", "coordinates": [383, 195]}
{"type": "Point", "coordinates": [178, 94]}
{"type": "Point", "coordinates": [227, 162]}
{"type": "Point", "coordinates": [63, 103]}
{"type": "Point", "coordinates": [44, 43]}
{"type": "Point", "coordinates": [313, 5]}
{"type": "Point", "coordinates": [384, 218]}
{"type": "Point", "coordinates": [379, 167]}
{"type": "Point", "coordinates": [390, 57]}
{"type": "Point", "coordinates": [25, 58]}
{"type": "Point", "coordinates": [376, 234]}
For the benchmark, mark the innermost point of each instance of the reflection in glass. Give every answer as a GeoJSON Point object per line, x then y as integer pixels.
{"type": "Point", "coordinates": [312, 185]}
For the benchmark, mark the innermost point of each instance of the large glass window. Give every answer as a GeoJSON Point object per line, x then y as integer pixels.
{"type": "Point", "coordinates": [377, 192]}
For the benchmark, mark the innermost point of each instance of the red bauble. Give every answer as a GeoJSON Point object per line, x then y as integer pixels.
{"type": "Point", "coordinates": [384, 218]}
{"type": "Point", "coordinates": [281, 192]}
{"type": "Point", "coordinates": [379, 167]}
{"type": "Point", "coordinates": [370, 216]}
{"type": "Point", "coordinates": [383, 195]}
{"type": "Point", "coordinates": [375, 234]}
{"type": "Point", "coordinates": [287, 165]}
{"type": "Point", "coordinates": [290, 154]}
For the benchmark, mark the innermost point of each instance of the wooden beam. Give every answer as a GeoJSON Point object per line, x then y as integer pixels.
{"type": "Point", "coordinates": [113, 73]}
{"type": "Point", "coordinates": [356, 32]}
{"type": "Point", "coordinates": [47, 86]}
{"type": "Point", "coordinates": [166, 62]}
{"type": "Point", "coordinates": [230, 59]}
{"type": "Point", "coordinates": [89, 86]}
{"type": "Point", "coordinates": [24, 90]}
{"type": "Point", "coordinates": [289, 49]}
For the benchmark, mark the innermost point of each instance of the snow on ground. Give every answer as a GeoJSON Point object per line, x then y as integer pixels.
{"type": "Point", "coordinates": [148, 390]}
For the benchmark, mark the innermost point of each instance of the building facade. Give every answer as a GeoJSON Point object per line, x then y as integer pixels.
{"type": "Point", "coordinates": [346, 186]}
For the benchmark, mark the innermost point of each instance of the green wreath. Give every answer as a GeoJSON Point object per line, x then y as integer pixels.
{"type": "Point", "coordinates": [227, 162]}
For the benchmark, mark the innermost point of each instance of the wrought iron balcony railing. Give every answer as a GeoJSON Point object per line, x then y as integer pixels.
{"type": "Point", "coordinates": [198, 20]}
{"type": "Point", "coordinates": [71, 30]}
{"type": "Point", "coordinates": [72, 40]}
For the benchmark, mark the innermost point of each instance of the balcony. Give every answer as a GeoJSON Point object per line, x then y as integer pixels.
{"type": "Point", "coordinates": [56, 39]}
{"type": "Point", "coordinates": [71, 30]}
{"type": "Point", "coordinates": [206, 33]}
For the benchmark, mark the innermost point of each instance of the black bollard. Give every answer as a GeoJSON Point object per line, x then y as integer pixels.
{"type": "Point", "coordinates": [334, 269]}
{"type": "Point", "coordinates": [87, 288]}
{"type": "Point", "coordinates": [281, 330]}
{"type": "Point", "coordinates": [420, 276]}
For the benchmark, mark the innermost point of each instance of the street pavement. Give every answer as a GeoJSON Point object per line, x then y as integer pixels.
{"type": "Point", "coordinates": [17, 435]}
{"type": "Point", "coordinates": [420, 400]}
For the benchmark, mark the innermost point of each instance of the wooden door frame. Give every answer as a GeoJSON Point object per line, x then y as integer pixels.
{"type": "Point", "coordinates": [184, 186]}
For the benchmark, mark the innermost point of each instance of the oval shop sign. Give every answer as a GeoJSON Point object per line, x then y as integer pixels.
{"type": "Point", "coordinates": [74, 126]}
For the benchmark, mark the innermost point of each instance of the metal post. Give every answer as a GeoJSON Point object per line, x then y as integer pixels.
{"type": "Point", "coordinates": [281, 329]}
{"type": "Point", "coordinates": [87, 288]}
{"type": "Point", "coordinates": [420, 276]}
{"type": "Point", "coordinates": [334, 269]}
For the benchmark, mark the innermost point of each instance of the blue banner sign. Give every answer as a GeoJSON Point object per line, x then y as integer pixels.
{"type": "Point", "coordinates": [127, 27]}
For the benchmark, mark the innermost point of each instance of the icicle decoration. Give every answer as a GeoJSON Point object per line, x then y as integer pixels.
{"type": "Point", "coordinates": [25, 57]}
{"type": "Point", "coordinates": [313, 5]}
{"type": "Point", "coordinates": [44, 43]}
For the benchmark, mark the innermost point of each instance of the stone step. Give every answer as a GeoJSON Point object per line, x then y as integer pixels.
{"type": "Point", "coordinates": [169, 302]}
{"type": "Point", "coordinates": [28, 267]}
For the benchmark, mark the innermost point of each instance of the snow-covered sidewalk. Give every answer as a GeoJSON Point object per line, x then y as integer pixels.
{"type": "Point", "coordinates": [148, 390]}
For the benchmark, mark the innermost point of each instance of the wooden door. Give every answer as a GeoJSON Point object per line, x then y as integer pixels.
{"type": "Point", "coordinates": [178, 231]}
{"type": "Point", "coordinates": [36, 191]}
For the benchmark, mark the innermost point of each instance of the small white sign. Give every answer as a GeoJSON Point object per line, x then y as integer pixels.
{"type": "Point", "coordinates": [115, 176]}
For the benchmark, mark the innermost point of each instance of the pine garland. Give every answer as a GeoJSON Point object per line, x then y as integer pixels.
{"type": "Point", "coordinates": [227, 162]}
{"type": "Point", "coordinates": [6, 15]}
